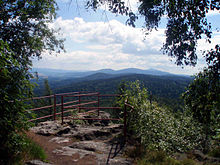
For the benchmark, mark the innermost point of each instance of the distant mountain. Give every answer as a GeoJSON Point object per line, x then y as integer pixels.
{"type": "Point", "coordinates": [140, 71]}
{"type": "Point", "coordinates": [65, 74]}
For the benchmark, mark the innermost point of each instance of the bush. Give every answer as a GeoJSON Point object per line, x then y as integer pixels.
{"type": "Point", "coordinates": [157, 127]}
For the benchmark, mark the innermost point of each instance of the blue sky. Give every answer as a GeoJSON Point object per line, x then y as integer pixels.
{"type": "Point", "coordinates": [101, 40]}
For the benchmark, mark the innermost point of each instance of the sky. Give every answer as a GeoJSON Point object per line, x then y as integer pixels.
{"type": "Point", "coordinates": [101, 40]}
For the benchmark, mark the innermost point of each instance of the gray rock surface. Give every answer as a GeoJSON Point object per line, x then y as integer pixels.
{"type": "Point", "coordinates": [98, 139]}
{"type": "Point", "coordinates": [60, 140]}
{"type": "Point", "coordinates": [37, 162]}
{"type": "Point", "coordinates": [48, 128]}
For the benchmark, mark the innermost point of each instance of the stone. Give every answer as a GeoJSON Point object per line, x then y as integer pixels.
{"type": "Point", "coordinates": [36, 162]}
{"type": "Point", "coordinates": [99, 147]}
{"type": "Point", "coordinates": [68, 151]}
{"type": "Point", "coordinates": [59, 140]}
{"type": "Point", "coordinates": [99, 140]}
{"type": "Point", "coordinates": [64, 130]}
{"type": "Point", "coordinates": [47, 128]}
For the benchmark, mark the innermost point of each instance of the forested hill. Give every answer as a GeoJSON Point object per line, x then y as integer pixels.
{"type": "Point", "coordinates": [166, 89]}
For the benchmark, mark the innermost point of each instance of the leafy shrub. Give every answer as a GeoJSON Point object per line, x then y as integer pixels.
{"type": "Point", "coordinates": [156, 127]}
{"type": "Point", "coordinates": [202, 101]}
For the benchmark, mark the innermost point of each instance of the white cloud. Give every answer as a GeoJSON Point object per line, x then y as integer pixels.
{"type": "Point", "coordinates": [213, 12]}
{"type": "Point", "coordinates": [111, 45]}
{"type": "Point", "coordinates": [113, 33]}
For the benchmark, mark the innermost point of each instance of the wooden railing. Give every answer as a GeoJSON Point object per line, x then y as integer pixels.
{"type": "Point", "coordinates": [76, 103]}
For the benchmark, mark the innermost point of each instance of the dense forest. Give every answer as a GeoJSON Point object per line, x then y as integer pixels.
{"type": "Point", "coordinates": [166, 89]}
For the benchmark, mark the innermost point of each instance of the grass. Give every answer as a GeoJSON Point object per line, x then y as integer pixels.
{"type": "Point", "coordinates": [30, 151]}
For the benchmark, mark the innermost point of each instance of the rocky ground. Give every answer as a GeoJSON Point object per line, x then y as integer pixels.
{"type": "Point", "coordinates": [90, 143]}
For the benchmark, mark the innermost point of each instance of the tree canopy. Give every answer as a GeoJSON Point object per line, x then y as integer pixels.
{"type": "Point", "coordinates": [23, 26]}
{"type": "Point", "coordinates": [24, 33]}
{"type": "Point", "coordinates": [186, 23]}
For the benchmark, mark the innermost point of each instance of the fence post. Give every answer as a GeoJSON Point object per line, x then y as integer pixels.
{"type": "Point", "coordinates": [98, 103]}
{"type": "Point", "coordinates": [62, 108]}
{"type": "Point", "coordinates": [125, 122]}
{"type": "Point", "coordinates": [79, 103]}
{"type": "Point", "coordinates": [54, 107]}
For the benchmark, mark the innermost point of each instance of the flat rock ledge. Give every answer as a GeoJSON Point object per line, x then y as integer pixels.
{"type": "Point", "coordinates": [100, 143]}
{"type": "Point", "coordinates": [36, 162]}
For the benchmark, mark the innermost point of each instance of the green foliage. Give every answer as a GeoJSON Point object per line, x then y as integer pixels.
{"type": "Point", "coordinates": [158, 128]}
{"type": "Point", "coordinates": [48, 91]}
{"type": "Point", "coordinates": [202, 100]}
{"type": "Point", "coordinates": [213, 61]}
{"type": "Point", "coordinates": [29, 151]}
{"type": "Point", "coordinates": [32, 150]}
{"type": "Point", "coordinates": [23, 34]}
{"type": "Point", "coordinates": [12, 89]}
{"type": "Point", "coordinates": [217, 136]}
{"type": "Point", "coordinates": [202, 97]}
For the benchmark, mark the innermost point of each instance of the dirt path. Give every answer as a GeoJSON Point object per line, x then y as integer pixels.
{"type": "Point", "coordinates": [53, 158]}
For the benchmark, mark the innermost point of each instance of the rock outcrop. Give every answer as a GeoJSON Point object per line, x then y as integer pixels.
{"type": "Point", "coordinates": [101, 141]}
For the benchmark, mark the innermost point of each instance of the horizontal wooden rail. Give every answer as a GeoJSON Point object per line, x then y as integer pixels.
{"type": "Point", "coordinates": [48, 106]}
{"type": "Point", "coordinates": [81, 100]}
{"type": "Point", "coordinates": [40, 118]}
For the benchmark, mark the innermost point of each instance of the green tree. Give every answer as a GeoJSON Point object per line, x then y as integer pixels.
{"type": "Point", "coordinates": [202, 100]}
{"type": "Point", "coordinates": [202, 97]}
{"type": "Point", "coordinates": [24, 33]}
{"type": "Point", "coordinates": [48, 91]}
